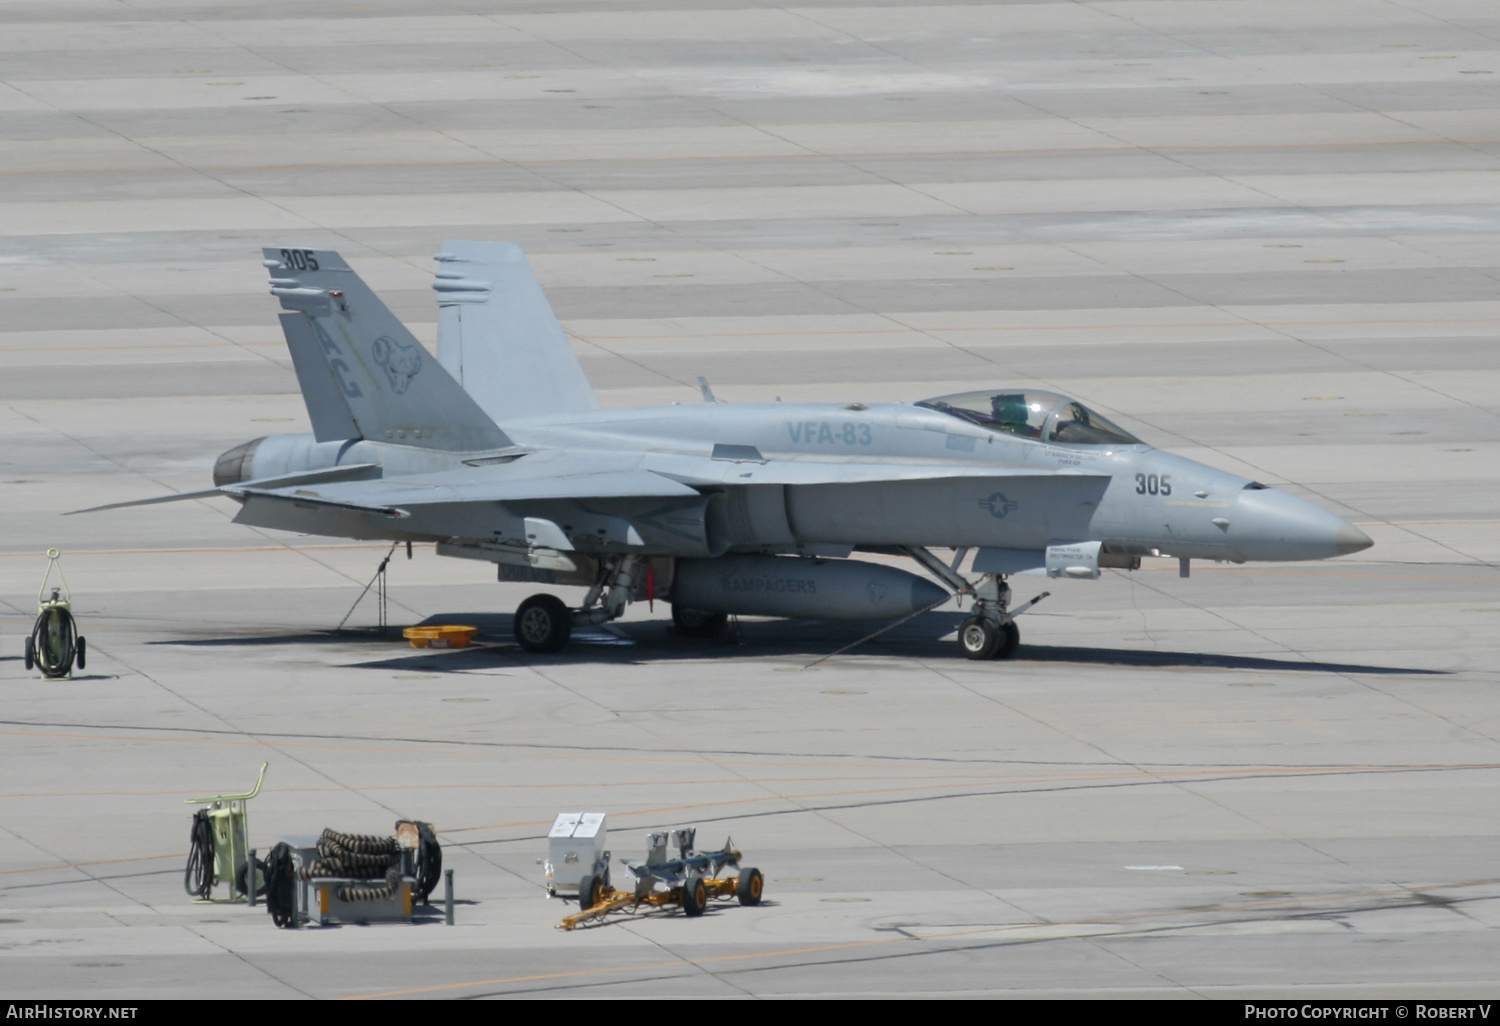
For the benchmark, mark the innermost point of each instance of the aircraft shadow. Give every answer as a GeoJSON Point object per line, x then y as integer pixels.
{"type": "Point", "coordinates": [1132, 657]}
{"type": "Point", "coordinates": [929, 636]}
{"type": "Point", "coordinates": [922, 637]}
{"type": "Point", "coordinates": [347, 636]}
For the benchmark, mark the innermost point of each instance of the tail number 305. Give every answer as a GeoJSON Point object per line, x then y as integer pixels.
{"type": "Point", "coordinates": [1152, 484]}
{"type": "Point", "coordinates": [299, 259]}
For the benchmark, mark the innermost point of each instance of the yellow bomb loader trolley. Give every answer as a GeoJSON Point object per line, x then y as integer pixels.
{"type": "Point", "coordinates": [688, 881]}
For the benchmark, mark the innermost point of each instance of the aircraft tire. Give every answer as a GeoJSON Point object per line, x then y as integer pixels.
{"type": "Point", "coordinates": [694, 895]}
{"type": "Point", "coordinates": [978, 638]}
{"type": "Point", "coordinates": [695, 623]}
{"type": "Point", "coordinates": [1009, 641]}
{"type": "Point", "coordinates": [747, 889]}
{"type": "Point", "coordinates": [543, 624]}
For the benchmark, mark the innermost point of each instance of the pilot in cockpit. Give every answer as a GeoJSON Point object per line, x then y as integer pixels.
{"type": "Point", "coordinates": [1010, 413]}
{"type": "Point", "coordinates": [1073, 426]}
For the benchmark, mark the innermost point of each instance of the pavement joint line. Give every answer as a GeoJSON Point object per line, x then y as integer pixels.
{"type": "Point", "coordinates": [1079, 934]}
{"type": "Point", "coordinates": [1148, 778]}
{"type": "Point", "coordinates": [1125, 147]}
{"type": "Point", "coordinates": [1156, 768]}
{"type": "Point", "coordinates": [857, 332]}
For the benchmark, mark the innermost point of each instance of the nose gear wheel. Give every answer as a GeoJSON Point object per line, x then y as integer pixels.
{"type": "Point", "coordinates": [543, 624]}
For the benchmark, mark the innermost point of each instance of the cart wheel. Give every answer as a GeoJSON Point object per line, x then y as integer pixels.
{"type": "Point", "coordinates": [590, 892]}
{"type": "Point", "coordinates": [260, 878]}
{"type": "Point", "coordinates": [694, 895]}
{"type": "Point", "coordinates": [750, 884]}
{"type": "Point", "coordinates": [82, 652]}
{"type": "Point", "coordinates": [30, 653]}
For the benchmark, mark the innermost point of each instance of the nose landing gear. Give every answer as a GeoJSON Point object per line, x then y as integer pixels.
{"type": "Point", "coordinates": [982, 639]}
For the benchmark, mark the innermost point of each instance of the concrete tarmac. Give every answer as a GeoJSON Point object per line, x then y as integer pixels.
{"type": "Point", "coordinates": [1257, 234]}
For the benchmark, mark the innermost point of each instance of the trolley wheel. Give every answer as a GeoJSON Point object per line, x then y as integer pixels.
{"type": "Point", "coordinates": [695, 623]}
{"type": "Point", "coordinates": [243, 884]}
{"type": "Point", "coordinates": [749, 886]}
{"type": "Point", "coordinates": [694, 895]}
{"type": "Point", "coordinates": [82, 652]}
{"type": "Point", "coordinates": [978, 638]}
{"type": "Point", "coordinates": [30, 653]}
{"type": "Point", "coordinates": [590, 892]}
{"type": "Point", "coordinates": [1005, 646]}
{"type": "Point", "coordinates": [543, 624]}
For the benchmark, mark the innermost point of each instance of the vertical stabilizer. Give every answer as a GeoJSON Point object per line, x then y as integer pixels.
{"type": "Point", "coordinates": [326, 406]}
{"type": "Point", "coordinates": [374, 376]}
{"type": "Point", "coordinates": [498, 337]}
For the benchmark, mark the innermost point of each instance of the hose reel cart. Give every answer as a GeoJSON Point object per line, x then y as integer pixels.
{"type": "Point", "coordinates": [219, 845]}
{"type": "Point", "coordinates": [352, 878]}
{"type": "Point", "coordinates": [54, 643]}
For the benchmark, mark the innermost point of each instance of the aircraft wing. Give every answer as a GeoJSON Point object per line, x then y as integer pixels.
{"type": "Point", "coordinates": [558, 474]}
{"type": "Point", "coordinates": [539, 475]}
{"type": "Point", "coordinates": [738, 465]}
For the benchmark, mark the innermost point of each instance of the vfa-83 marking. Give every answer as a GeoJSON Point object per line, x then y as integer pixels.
{"type": "Point", "coordinates": [823, 432]}
{"type": "Point", "coordinates": [499, 451]}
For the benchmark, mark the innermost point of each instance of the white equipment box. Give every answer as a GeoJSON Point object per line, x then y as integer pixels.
{"type": "Point", "coordinates": [575, 849]}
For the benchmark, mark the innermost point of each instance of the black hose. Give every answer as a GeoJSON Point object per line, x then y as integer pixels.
{"type": "Point", "coordinates": [339, 867]}
{"type": "Point", "coordinates": [54, 640]}
{"type": "Point", "coordinates": [359, 856]}
{"type": "Point", "coordinates": [281, 899]}
{"type": "Point", "coordinates": [366, 893]}
{"type": "Point", "coordinates": [356, 844]}
{"type": "Point", "coordinates": [427, 866]}
{"type": "Point", "coordinates": [367, 857]}
{"type": "Point", "coordinates": [198, 880]}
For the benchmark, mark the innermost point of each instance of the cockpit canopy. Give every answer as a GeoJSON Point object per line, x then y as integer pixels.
{"type": "Point", "coordinates": [1045, 416]}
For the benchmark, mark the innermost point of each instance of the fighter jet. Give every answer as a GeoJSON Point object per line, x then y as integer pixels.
{"type": "Point", "coordinates": [498, 450]}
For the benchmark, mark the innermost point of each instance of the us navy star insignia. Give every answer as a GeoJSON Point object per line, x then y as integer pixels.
{"type": "Point", "coordinates": [998, 505]}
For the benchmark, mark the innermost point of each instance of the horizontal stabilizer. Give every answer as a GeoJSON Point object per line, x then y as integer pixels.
{"type": "Point", "coordinates": [281, 481]}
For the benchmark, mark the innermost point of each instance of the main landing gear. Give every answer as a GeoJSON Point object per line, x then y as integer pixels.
{"type": "Point", "coordinates": [695, 623]}
{"type": "Point", "coordinates": [543, 623]}
{"type": "Point", "coordinates": [990, 631]}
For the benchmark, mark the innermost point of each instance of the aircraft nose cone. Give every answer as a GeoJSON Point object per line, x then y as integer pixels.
{"type": "Point", "coordinates": [1352, 539]}
{"type": "Point", "coordinates": [1271, 525]}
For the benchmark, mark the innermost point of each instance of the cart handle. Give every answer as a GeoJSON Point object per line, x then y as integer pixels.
{"type": "Point", "coordinates": [232, 797]}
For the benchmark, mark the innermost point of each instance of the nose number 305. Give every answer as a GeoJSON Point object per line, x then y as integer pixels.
{"type": "Point", "coordinates": [1152, 484]}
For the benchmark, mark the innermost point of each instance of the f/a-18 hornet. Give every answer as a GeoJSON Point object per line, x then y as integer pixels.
{"type": "Point", "coordinates": [498, 450]}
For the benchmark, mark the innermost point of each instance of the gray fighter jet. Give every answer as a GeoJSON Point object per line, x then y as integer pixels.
{"type": "Point", "coordinates": [499, 451]}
